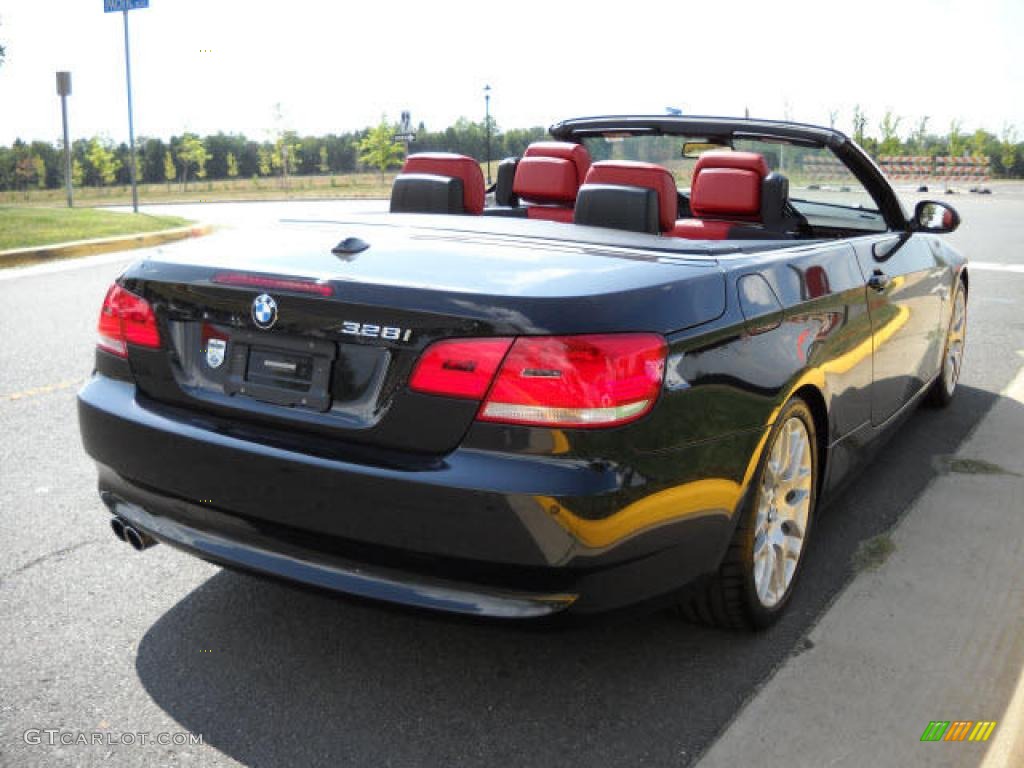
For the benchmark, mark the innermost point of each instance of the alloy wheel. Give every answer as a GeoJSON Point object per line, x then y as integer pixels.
{"type": "Point", "coordinates": [783, 510]}
{"type": "Point", "coordinates": [955, 343]}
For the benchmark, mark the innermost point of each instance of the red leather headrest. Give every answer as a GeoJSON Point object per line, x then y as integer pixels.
{"type": "Point", "coordinates": [576, 153]}
{"type": "Point", "coordinates": [726, 192]}
{"type": "Point", "coordinates": [452, 165]}
{"type": "Point", "coordinates": [631, 174]}
{"type": "Point", "coordinates": [746, 161]}
{"type": "Point", "coordinates": [546, 180]}
{"type": "Point", "coordinates": [728, 184]}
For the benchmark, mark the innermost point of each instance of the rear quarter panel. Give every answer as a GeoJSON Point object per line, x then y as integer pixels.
{"type": "Point", "coordinates": [695, 454]}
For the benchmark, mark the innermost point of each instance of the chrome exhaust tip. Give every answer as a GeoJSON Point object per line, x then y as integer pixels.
{"type": "Point", "coordinates": [117, 526]}
{"type": "Point", "coordinates": [139, 540]}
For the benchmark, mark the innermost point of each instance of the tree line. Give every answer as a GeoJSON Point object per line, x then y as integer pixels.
{"type": "Point", "coordinates": [98, 161]}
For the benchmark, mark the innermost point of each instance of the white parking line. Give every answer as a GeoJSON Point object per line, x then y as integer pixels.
{"type": "Point", "coordinates": [992, 266]}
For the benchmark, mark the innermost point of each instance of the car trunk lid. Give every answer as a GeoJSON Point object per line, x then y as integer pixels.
{"type": "Point", "coordinates": [348, 328]}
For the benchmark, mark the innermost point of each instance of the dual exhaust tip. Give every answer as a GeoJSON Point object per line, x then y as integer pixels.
{"type": "Point", "coordinates": [126, 532]}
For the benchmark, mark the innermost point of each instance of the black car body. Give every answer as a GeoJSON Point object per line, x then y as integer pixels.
{"type": "Point", "coordinates": [306, 452]}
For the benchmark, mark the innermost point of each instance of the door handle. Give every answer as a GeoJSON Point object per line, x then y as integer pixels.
{"type": "Point", "coordinates": [879, 281]}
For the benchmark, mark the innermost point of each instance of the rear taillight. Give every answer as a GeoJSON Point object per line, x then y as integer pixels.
{"type": "Point", "coordinates": [554, 381]}
{"type": "Point", "coordinates": [126, 319]}
{"type": "Point", "coordinates": [577, 381]}
{"type": "Point", "coordinates": [459, 367]}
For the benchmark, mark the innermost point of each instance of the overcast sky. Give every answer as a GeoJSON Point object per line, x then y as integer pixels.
{"type": "Point", "coordinates": [220, 65]}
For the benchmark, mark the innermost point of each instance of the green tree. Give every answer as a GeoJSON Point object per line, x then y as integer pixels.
{"type": "Point", "coordinates": [889, 126]}
{"type": "Point", "coordinates": [232, 165]}
{"type": "Point", "coordinates": [1008, 149]}
{"type": "Point", "coordinates": [101, 158]}
{"type": "Point", "coordinates": [192, 153]}
{"type": "Point", "coordinates": [324, 166]}
{"type": "Point", "coordinates": [265, 160]}
{"type": "Point", "coordinates": [40, 169]}
{"type": "Point", "coordinates": [956, 139]}
{"type": "Point", "coordinates": [980, 142]}
{"type": "Point", "coordinates": [860, 122]}
{"type": "Point", "coordinates": [77, 173]}
{"type": "Point", "coordinates": [170, 171]}
{"type": "Point", "coordinates": [919, 138]}
{"type": "Point", "coordinates": [285, 154]}
{"type": "Point", "coordinates": [379, 149]}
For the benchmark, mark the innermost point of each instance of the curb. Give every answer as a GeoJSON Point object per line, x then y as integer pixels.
{"type": "Point", "coordinates": [18, 257]}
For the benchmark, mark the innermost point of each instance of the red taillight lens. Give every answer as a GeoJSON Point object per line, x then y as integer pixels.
{"type": "Point", "coordinates": [577, 381]}
{"type": "Point", "coordinates": [292, 284]}
{"type": "Point", "coordinates": [126, 319]}
{"type": "Point", "coordinates": [552, 381]}
{"type": "Point", "coordinates": [459, 367]}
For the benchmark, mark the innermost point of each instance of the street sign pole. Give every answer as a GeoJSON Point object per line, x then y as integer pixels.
{"type": "Point", "coordinates": [131, 124]}
{"type": "Point", "coordinates": [64, 89]}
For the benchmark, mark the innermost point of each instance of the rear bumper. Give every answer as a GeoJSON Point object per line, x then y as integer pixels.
{"type": "Point", "coordinates": [255, 553]}
{"type": "Point", "coordinates": [477, 532]}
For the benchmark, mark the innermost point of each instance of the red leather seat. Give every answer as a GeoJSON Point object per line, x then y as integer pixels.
{"type": "Point", "coordinates": [549, 176]}
{"type": "Point", "coordinates": [453, 166]}
{"type": "Point", "coordinates": [725, 194]}
{"type": "Point", "coordinates": [626, 173]}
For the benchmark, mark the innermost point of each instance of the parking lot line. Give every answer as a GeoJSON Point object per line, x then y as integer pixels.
{"type": "Point", "coordinates": [43, 390]}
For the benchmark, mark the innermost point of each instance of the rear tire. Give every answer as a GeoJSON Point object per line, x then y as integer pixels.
{"type": "Point", "coordinates": [944, 387]}
{"type": "Point", "coordinates": [756, 578]}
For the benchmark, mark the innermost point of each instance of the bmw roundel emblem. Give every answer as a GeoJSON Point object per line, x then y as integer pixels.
{"type": "Point", "coordinates": [264, 311]}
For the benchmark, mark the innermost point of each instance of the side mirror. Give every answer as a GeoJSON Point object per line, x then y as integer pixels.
{"type": "Point", "coordinates": [935, 217]}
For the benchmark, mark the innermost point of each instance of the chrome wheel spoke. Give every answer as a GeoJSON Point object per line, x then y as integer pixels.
{"type": "Point", "coordinates": [955, 338]}
{"type": "Point", "coordinates": [782, 512]}
{"type": "Point", "coordinates": [779, 577]}
{"type": "Point", "coordinates": [760, 542]}
{"type": "Point", "coordinates": [763, 565]}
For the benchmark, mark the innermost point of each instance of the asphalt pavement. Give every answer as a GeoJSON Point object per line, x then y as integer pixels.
{"type": "Point", "coordinates": [98, 639]}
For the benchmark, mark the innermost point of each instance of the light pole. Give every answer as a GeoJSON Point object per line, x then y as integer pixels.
{"type": "Point", "coordinates": [131, 122]}
{"type": "Point", "coordinates": [64, 90]}
{"type": "Point", "coordinates": [487, 124]}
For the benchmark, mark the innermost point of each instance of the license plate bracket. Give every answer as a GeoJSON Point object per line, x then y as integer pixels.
{"type": "Point", "coordinates": [282, 370]}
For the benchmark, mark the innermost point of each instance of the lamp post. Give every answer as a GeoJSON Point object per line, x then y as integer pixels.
{"type": "Point", "coordinates": [487, 125]}
{"type": "Point", "coordinates": [64, 90]}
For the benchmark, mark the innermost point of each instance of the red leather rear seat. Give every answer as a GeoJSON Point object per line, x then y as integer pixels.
{"type": "Point", "coordinates": [725, 193]}
{"type": "Point", "coordinates": [627, 173]}
{"type": "Point", "coordinates": [548, 177]}
{"type": "Point", "coordinates": [453, 166]}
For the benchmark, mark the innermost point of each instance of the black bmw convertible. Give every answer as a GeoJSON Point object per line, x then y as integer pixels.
{"type": "Point", "coordinates": [631, 372]}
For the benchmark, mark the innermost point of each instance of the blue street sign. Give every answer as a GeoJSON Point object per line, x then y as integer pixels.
{"type": "Point", "coordinates": [116, 6]}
